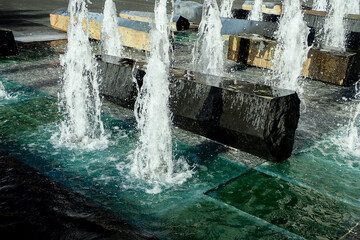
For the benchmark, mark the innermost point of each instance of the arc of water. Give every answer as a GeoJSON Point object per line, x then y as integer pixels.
{"type": "Point", "coordinates": [256, 12]}
{"type": "Point", "coordinates": [208, 49]}
{"type": "Point", "coordinates": [110, 37]}
{"type": "Point", "coordinates": [80, 97]}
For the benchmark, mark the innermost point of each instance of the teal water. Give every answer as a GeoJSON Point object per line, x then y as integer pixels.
{"type": "Point", "coordinates": [313, 195]}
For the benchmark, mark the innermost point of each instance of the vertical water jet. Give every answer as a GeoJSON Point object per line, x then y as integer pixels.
{"type": "Point", "coordinates": [292, 48]}
{"type": "Point", "coordinates": [208, 50]}
{"type": "Point", "coordinates": [225, 8]}
{"type": "Point", "coordinates": [334, 28]}
{"type": "Point", "coordinates": [320, 5]}
{"type": "Point", "coordinates": [110, 37]}
{"type": "Point", "coordinates": [353, 7]}
{"type": "Point", "coordinates": [256, 12]}
{"type": "Point", "coordinates": [153, 157]}
{"type": "Point", "coordinates": [79, 99]}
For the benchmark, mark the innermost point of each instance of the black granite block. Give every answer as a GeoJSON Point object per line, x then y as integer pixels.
{"type": "Point", "coordinates": [7, 43]}
{"type": "Point", "coordinates": [254, 118]}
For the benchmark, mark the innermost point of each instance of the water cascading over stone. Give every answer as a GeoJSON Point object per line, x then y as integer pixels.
{"type": "Point", "coordinates": [208, 50]}
{"type": "Point", "coordinates": [110, 37]}
{"type": "Point", "coordinates": [256, 12]}
{"type": "Point", "coordinates": [292, 49]}
{"type": "Point", "coordinates": [80, 99]}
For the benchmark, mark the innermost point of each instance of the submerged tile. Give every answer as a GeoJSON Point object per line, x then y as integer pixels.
{"type": "Point", "coordinates": [299, 210]}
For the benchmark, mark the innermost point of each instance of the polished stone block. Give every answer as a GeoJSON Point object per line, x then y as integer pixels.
{"type": "Point", "coordinates": [254, 118]}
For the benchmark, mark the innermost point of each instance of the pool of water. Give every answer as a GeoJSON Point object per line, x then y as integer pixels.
{"type": "Point", "coordinates": [315, 194]}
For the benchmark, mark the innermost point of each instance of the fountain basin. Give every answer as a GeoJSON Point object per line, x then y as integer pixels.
{"type": "Point", "coordinates": [254, 118]}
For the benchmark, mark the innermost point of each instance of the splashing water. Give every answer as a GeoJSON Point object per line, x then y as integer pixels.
{"type": "Point", "coordinates": [225, 8]}
{"type": "Point", "coordinates": [256, 12]}
{"type": "Point", "coordinates": [292, 49]}
{"type": "Point", "coordinates": [80, 99]}
{"type": "Point", "coordinates": [352, 140]}
{"type": "Point", "coordinates": [353, 7]}
{"type": "Point", "coordinates": [110, 37]}
{"type": "Point", "coordinates": [153, 157]}
{"type": "Point", "coordinates": [208, 50]}
{"type": "Point", "coordinates": [320, 5]}
{"type": "Point", "coordinates": [334, 28]}
{"type": "Point", "coordinates": [3, 93]}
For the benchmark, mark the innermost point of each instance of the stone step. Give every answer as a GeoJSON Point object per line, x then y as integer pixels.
{"type": "Point", "coordinates": [135, 34]}
{"type": "Point", "coordinates": [178, 22]}
{"type": "Point", "coordinates": [341, 68]}
{"type": "Point", "coordinates": [254, 118]}
{"type": "Point", "coordinates": [7, 43]}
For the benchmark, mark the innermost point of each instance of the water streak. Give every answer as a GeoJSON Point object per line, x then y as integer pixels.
{"type": "Point", "coordinates": [208, 50]}
{"type": "Point", "coordinates": [256, 12]}
{"type": "Point", "coordinates": [153, 157]}
{"type": "Point", "coordinates": [320, 5]}
{"type": "Point", "coordinates": [353, 7]}
{"type": "Point", "coordinates": [80, 99]}
{"type": "Point", "coordinates": [334, 28]}
{"type": "Point", "coordinates": [225, 8]}
{"type": "Point", "coordinates": [3, 93]}
{"type": "Point", "coordinates": [292, 48]}
{"type": "Point", "coordinates": [110, 37]}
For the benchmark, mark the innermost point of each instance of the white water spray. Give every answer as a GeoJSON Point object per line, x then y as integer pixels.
{"type": "Point", "coordinates": [153, 157]}
{"type": "Point", "coordinates": [292, 48]}
{"type": "Point", "coordinates": [352, 140]}
{"type": "Point", "coordinates": [110, 37]}
{"type": "Point", "coordinates": [256, 12]}
{"type": "Point", "coordinates": [320, 5]}
{"type": "Point", "coordinates": [225, 8]}
{"type": "Point", "coordinates": [208, 50]}
{"type": "Point", "coordinates": [353, 7]}
{"type": "Point", "coordinates": [334, 28]}
{"type": "Point", "coordinates": [80, 99]}
{"type": "Point", "coordinates": [3, 93]}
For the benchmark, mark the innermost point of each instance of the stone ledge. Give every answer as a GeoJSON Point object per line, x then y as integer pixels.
{"type": "Point", "coordinates": [254, 118]}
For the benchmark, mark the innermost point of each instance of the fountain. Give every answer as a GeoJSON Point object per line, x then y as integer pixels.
{"type": "Point", "coordinates": [110, 37]}
{"type": "Point", "coordinates": [334, 28]}
{"type": "Point", "coordinates": [80, 99]}
{"type": "Point", "coordinates": [320, 5]}
{"type": "Point", "coordinates": [208, 50]}
{"type": "Point", "coordinates": [225, 8]}
{"type": "Point", "coordinates": [256, 12]}
{"type": "Point", "coordinates": [153, 157]}
{"type": "Point", "coordinates": [292, 48]}
{"type": "Point", "coordinates": [353, 7]}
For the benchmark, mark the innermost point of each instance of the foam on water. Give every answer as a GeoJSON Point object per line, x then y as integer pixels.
{"type": "Point", "coordinates": [225, 8]}
{"type": "Point", "coordinates": [79, 99]}
{"type": "Point", "coordinates": [292, 48]}
{"type": "Point", "coordinates": [256, 12]}
{"type": "Point", "coordinates": [153, 157]}
{"type": "Point", "coordinates": [3, 93]}
{"type": "Point", "coordinates": [208, 50]}
{"type": "Point", "coordinates": [334, 28]}
{"type": "Point", "coordinates": [353, 7]}
{"type": "Point", "coordinates": [320, 5]}
{"type": "Point", "coordinates": [110, 37]}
